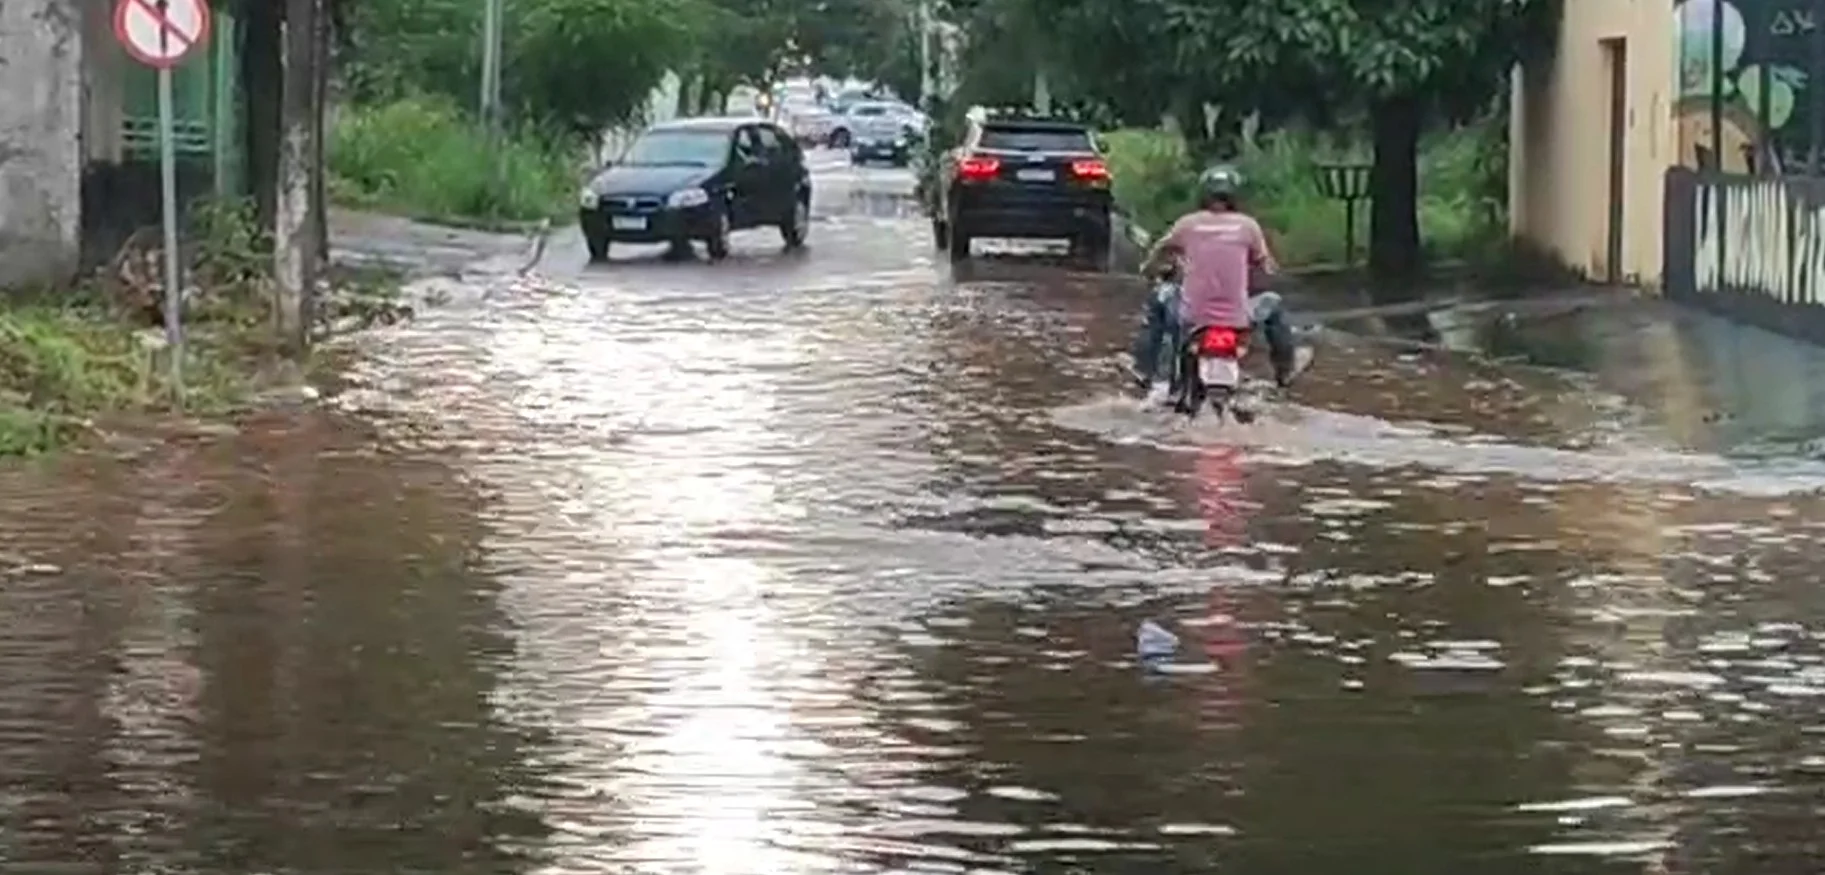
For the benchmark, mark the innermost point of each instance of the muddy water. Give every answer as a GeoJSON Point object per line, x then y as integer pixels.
{"type": "Point", "coordinates": [827, 563]}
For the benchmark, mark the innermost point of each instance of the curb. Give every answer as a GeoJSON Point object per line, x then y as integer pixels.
{"type": "Point", "coordinates": [466, 223]}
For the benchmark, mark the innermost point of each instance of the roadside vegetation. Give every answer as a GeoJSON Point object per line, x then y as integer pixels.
{"type": "Point", "coordinates": [75, 362]}
{"type": "Point", "coordinates": [1461, 199]}
{"type": "Point", "coordinates": [424, 158]}
{"type": "Point", "coordinates": [406, 137]}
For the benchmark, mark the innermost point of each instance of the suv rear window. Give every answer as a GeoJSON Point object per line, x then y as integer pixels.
{"type": "Point", "coordinates": [1035, 139]}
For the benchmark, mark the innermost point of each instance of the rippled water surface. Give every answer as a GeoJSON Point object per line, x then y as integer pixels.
{"type": "Point", "coordinates": [830, 562]}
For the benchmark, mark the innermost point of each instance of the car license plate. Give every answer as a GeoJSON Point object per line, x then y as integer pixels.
{"type": "Point", "coordinates": [1036, 175]}
{"type": "Point", "coordinates": [628, 223]}
{"type": "Point", "coordinates": [1219, 372]}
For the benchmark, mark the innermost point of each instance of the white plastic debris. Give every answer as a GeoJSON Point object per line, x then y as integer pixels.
{"type": "Point", "coordinates": [1153, 640]}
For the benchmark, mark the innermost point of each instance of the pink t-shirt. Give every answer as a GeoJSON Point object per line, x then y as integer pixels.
{"type": "Point", "coordinates": [1216, 252]}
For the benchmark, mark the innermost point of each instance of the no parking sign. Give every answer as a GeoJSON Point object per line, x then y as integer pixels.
{"type": "Point", "coordinates": [159, 33]}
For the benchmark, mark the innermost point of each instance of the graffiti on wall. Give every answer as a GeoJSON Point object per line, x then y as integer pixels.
{"type": "Point", "coordinates": [1769, 238]}
{"type": "Point", "coordinates": [1758, 83]}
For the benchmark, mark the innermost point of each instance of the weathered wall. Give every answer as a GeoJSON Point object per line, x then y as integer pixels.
{"type": "Point", "coordinates": [1559, 138]}
{"type": "Point", "coordinates": [40, 139]}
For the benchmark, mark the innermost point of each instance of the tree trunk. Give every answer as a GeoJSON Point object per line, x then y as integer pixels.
{"type": "Point", "coordinates": [261, 72]}
{"type": "Point", "coordinates": [294, 268]}
{"type": "Point", "coordinates": [1188, 117]}
{"type": "Point", "coordinates": [1394, 252]}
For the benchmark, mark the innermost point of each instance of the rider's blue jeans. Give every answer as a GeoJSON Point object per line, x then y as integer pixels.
{"type": "Point", "coordinates": [1160, 334]}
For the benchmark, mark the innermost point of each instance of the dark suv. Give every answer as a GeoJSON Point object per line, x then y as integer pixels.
{"type": "Point", "coordinates": [699, 179]}
{"type": "Point", "coordinates": [1023, 177]}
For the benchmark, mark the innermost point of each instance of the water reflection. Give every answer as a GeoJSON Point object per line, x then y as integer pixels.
{"type": "Point", "coordinates": [278, 657]}
{"type": "Point", "coordinates": [833, 564]}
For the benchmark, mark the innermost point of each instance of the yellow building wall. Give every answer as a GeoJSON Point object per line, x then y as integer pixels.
{"type": "Point", "coordinates": [1559, 138]}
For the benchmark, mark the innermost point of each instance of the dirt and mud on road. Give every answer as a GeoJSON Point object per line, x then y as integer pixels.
{"type": "Point", "coordinates": [832, 561]}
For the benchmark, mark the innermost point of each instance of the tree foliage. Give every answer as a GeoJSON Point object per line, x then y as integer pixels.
{"type": "Point", "coordinates": [575, 64]}
{"type": "Point", "coordinates": [584, 64]}
{"type": "Point", "coordinates": [558, 70]}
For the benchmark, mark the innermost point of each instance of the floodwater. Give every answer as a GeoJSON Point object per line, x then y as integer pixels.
{"type": "Point", "coordinates": [830, 562]}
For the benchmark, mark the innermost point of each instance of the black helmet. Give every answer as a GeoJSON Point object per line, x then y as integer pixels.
{"type": "Point", "coordinates": [1222, 182]}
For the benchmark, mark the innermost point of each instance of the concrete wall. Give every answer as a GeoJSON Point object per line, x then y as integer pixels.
{"type": "Point", "coordinates": [40, 140]}
{"type": "Point", "coordinates": [1559, 138]}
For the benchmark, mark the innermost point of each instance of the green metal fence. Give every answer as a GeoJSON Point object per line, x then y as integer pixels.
{"type": "Point", "coordinates": [205, 91]}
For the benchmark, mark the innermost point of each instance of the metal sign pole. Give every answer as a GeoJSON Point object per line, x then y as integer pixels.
{"type": "Point", "coordinates": [174, 290]}
{"type": "Point", "coordinates": [159, 33]}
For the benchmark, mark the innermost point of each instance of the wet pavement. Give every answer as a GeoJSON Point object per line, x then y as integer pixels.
{"type": "Point", "coordinates": [832, 562]}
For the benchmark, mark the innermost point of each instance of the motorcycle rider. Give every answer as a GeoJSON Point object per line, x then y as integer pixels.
{"type": "Point", "coordinates": [1215, 249]}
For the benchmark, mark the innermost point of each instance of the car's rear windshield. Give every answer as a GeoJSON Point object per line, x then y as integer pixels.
{"type": "Point", "coordinates": [701, 148]}
{"type": "Point", "coordinates": [1034, 139]}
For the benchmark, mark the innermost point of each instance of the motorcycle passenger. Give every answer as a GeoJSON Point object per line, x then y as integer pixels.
{"type": "Point", "coordinates": [1216, 249]}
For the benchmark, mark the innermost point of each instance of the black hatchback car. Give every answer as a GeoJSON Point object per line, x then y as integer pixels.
{"type": "Point", "coordinates": [699, 179]}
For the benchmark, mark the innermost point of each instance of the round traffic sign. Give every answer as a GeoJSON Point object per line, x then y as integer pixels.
{"type": "Point", "coordinates": [160, 33]}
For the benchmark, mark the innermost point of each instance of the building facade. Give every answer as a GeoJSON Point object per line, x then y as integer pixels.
{"type": "Point", "coordinates": [1590, 137]}
{"type": "Point", "coordinates": [1680, 144]}
{"type": "Point", "coordinates": [79, 142]}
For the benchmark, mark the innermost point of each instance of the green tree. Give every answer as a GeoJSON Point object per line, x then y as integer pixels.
{"type": "Point", "coordinates": [575, 64]}
{"type": "Point", "coordinates": [1407, 64]}
{"type": "Point", "coordinates": [758, 42]}
{"type": "Point", "coordinates": [584, 65]}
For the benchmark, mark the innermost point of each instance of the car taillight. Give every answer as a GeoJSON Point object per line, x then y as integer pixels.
{"type": "Point", "coordinates": [978, 169]}
{"type": "Point", "coordinates": [1090, 169]}
{"type": "Point", "coordinates": [1220, 342]}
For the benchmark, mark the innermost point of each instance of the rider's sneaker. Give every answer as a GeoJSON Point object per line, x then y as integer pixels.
{"type": "Point", "coordinates": [1159, 393]}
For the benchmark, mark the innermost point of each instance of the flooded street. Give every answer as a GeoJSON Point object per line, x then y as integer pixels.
{"type": "Point", "coordinates": [832, 562]}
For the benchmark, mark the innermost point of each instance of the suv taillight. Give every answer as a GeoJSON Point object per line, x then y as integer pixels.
{"type": "Point", "coordinates": [978, 169]}
{"type": "Point", "coordinates": [1092, 169]}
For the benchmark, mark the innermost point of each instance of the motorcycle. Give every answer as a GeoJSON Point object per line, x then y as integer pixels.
{"type": "Point", "coordinates": [1208, 372]}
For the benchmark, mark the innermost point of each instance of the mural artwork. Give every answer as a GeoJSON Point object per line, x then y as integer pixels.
{"type": "Point", "coordinates": [1760, 81]}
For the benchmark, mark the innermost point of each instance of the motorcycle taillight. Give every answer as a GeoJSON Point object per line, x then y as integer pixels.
{"type": "Point", "coordinates": [1220, 342]}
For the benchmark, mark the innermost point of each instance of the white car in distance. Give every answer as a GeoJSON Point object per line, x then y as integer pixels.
{"type": "Point", "coordinates": [868, 115]}
{"type": "Point", "coordinates": [807, 121]}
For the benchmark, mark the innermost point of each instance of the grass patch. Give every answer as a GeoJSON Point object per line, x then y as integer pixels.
{"type": "Point", "coordinates": [425, 159]}
{"type": "Point", "coordinates": [1462, 176]}
{"type": "Point", "coordinates": [69, 366]}
{"type": "Point", "coordinates": [74, 360]}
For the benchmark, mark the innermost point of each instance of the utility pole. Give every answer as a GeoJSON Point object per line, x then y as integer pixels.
{"type": "Point", "coordinates": [294, 250]}
{"type": "Point", "coordinates": [1815, 114]}
{"type": "Point", "coordinates": [491, 88]}
{"type": "Point", "coordinates": [927, 83]}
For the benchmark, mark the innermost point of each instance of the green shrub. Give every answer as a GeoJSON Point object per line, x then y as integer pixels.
{"type": "Point", "coordinates": [1460, 209]}
{"type": "Point", "coordinates": [426, 159]}
{"type": "Point", "coordinates": [1152, 176]}
{"type": "Point", "coordinates": [60, 366]}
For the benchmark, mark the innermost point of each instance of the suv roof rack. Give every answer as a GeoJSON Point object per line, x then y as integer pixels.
{"type": "Point", "coordinates": [1023, 116]}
